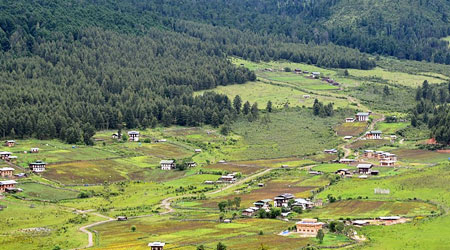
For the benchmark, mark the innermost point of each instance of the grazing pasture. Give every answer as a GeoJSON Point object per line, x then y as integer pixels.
{"type": "Point", "coordinates": [278, 162]}
{"type": "Point", "coordinates": [235, 167]}
{"type": "Point", "coordinates": [332, 167]}
{"type": "Point", "coordinates": [366, 209]}
{"type": "Point", "coordinates": [288, 133]}
{"type": "Point", "coordinates": [363, 144]}
{"type": "Point", "coordinates": [405, 79]}
{"type": "Point", "coordinates": [178, 234]}
{"type": "Point", "coordinates": [391, 128]}
{"type": "Point", "coordinates": [26, 225]}
{"type": "Point", "coordinates": [421, 156]}
{"type": "Point", "coordinates": [38, 191]}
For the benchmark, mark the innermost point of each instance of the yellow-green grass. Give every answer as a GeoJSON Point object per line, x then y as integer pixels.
{"type": "Point", "coordinates": [197, 179]}
{"type": "Point", "coordinates": [278, 162]}
{"type": "Point", "coordinates": [366, 209]}
{"type": "Point", "coordinates": [287, 134]}
{"type": "Point", "coordinates": [401, 78]}
{"type": "Point", "coordinates": [262, 92]}
{"type": "Point", "coordinates": [18, 219]}
{"type": "Point", "coordinates": [297, 80]}
{"type": "Point", "coordinates": [97, 172]}
{"type": "Point", "coordinates": [420, 155]}
{"type": "Point", "coordinates": [162, 150]}
{"type": "Point", "coordinates": [178, 234]}
{"type": "Point", "coordinates": [331, 167]}
{"type": "Point", "coordinates": [429, 183]}
{"type": "Point", "coordinates": [37, 191]}
{"type": "Point", "coordinates": [230, 168]}
{"type": "Point", "coordinates": [259, 67]}
{"type": "Point", "coordinates": [125, 199]}
{"type": "Point", "coordinates": [362, 144]}
{"type": "Point", "coordinates": [351, 128]}
{"type": "Point", "coordinates": [447, 39]}
{"type": "Point", "coordinates": [65, 154]}
{"type": "Point", "coordinates": [391, 128]}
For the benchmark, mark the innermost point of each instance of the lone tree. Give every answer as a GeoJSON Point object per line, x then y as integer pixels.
{"type": "Point", "coordinates": [269, 106]}
{"type": "Point", "coordinates": [221, 246]}
{"type": "Point", "coordinates": [246, 108]}
{"type": "Point", "coordinates": [320, 235]}
{"type": "Point", "coordinates": [222, 205]}
{"type": "Point", "coordinates": [237, 103]}
{"type": "Point", "coordinates": [133, 228]}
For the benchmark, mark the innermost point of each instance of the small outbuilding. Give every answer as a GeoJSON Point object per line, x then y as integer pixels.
{"type": "Point", "coordinates": [167, 164]}
{"type": "Point", "coordinates": [350, 119]}
{"type": "Point", "coordinates": [374, 135]}
{"type": "Point", "coordinates": [9, 184]}
{"type": "Point", "coordinates": [10, 143]}
{"type": "Point", "coordinates": [133, 135]}
{"type": "Point", "coordinates": [122, 218]}
{"type": "Point", "coordinates": [37, 166]}
{"type": "Point", "coordinates": [5, 155]}
{"type": "Point", "coordinates": [34, 150]}
{"type": "Point", "coordinates": [6, 172]}
{"type": "Point", "coordinates": [156, 245]}
{"type": "Point", "coordinates": [364, 168]}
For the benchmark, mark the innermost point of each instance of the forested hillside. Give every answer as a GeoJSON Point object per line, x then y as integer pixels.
{"type": "Point", "coordinates": [433, 110]}
{"type": "Point", "coordinates": [108, 63]}
{"type": "Point", "coordinates": [407, 29]}
{"type": "Point", "coordinates": [104, 79]}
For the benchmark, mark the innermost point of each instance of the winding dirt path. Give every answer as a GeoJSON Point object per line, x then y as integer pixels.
{"type": "Point", "coordinates": [85, 229]}
{"type": "Point", "coordinates": [348, 151]}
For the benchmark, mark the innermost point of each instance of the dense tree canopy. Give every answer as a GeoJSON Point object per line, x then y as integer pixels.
{"type": "Point", "coordinates": [102, 80]}
{"type": "Point", "coordinates": [433, 109]}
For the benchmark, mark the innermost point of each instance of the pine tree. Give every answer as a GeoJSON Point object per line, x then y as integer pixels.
{"type": "Point", "coordinates": [269, 106]}
{"type": "Point", "coordinates": [237, 103]}
{"type": "Point", "coordinates": [246, 108]}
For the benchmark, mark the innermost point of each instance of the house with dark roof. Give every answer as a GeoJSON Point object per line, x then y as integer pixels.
{"type": "Point", "coordinates": [364, 168]}
{"type": "Point", "coordinates": [282, 200]}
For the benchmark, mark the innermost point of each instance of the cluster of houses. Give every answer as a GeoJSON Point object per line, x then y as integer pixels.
{"type": "Point", "coordinates": [228, 179]}
{"type": "Point", "coordinates": [364, 169]}
{"type": "Point", "coordinates": [385, 158]}
{"type": "Point", "coordinates": [285, 200]}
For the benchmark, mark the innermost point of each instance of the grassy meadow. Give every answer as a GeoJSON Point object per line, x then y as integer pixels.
{"type": "Point", "coordinates": [115, 178]}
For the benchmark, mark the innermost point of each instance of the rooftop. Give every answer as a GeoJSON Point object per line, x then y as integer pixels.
{"type": "Point", "coordinates": [389, 217]}
{"type": "Point", "coordinates": [8, 182]}
{"type": "Point", "coordinates": [362, 114]}
{"type": "Point", "coordinates": [364, 165]}
{"type": "Point", "coordinates": [156, 244]}
{"type": "Point", "coordinates": [166, 162]}
{"type": "Point", "coordinates": [6, 169]}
